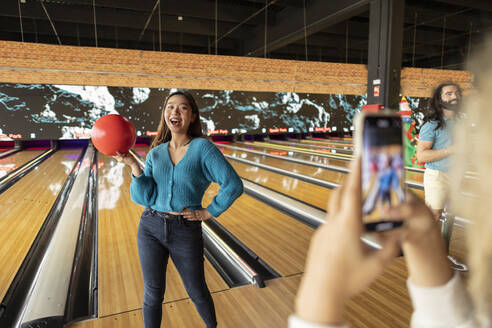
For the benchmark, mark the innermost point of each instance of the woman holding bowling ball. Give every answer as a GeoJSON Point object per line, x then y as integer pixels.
{"type": "Point", "coordinates": [178, 169]}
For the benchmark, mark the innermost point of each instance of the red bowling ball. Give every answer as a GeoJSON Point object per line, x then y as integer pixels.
{"type": "Point", "coordinates": [113, 133]}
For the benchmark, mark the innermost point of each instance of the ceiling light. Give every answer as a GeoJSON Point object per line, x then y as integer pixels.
{"type": "Point", "coordinates": [180, 18]}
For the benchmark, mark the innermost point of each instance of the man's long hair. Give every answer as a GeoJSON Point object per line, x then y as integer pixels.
{"type": "Point", "coordinates": [434, 111]}
{"type": "Point", "coordinates": [194, 130]}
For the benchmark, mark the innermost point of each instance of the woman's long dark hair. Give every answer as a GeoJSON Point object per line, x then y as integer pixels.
{"type": "Point", "coordinates": [434, 111]}
{"type": "Point", "coordinates": [194, 130]}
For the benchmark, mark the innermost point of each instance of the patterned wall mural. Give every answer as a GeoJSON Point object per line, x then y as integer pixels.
{"type": "Point", "coordinates": [45, 111]}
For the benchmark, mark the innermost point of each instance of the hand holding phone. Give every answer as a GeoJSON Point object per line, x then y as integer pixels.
{"type": "Point", "coordinates": [380, 144]}
{"type": "Point", "coordinates": [324, 291]}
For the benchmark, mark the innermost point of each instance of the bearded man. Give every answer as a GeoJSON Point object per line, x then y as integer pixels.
{"type": "Point", "coordinates": [435, 145]}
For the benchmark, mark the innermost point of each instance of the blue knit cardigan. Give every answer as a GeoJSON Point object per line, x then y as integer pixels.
{"type": "Point", "coordinates": [166, 187]}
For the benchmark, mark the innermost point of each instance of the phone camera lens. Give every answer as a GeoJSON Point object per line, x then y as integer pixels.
{"type": "Point", "coordinates": [383, 123]}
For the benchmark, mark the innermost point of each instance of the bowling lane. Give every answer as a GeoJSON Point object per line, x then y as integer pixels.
{"type": "Point", "coordinates": [318, 159]}
{"type": "Point", "coordinates": [324, 153]}
{"type": "Point", "coordinates": [307, 192]}
{"type": "Point", "coordinates": [24, 207]}
{"type": "Point", "coordinates": [410, 175]}
{"type": "Point", "coordinates": [5, 149]}
{"type": "Point", "coordinates": [12, 162]}
{"type": "Point", "coordinates": [120, 277]}
{"type": "Point", "coordinates": [316, 172]}
{"type": "Point", "coordinates": [312, 171]}
{"type": "Point", "coordinates": [345, 150]}
{"type": "Point", "coordinates": [289, 152]}
{"type": "Point", "coordinates": [275, 237]}
{"type": "Point", "coordinates": [331, 143]}
{"type": "Point", "coordinates": [414, 176]}
{"type": "Point", "coordinates": [306, 148]}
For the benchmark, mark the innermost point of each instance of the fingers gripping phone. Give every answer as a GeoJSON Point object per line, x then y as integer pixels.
{"type": "Point", "coordinates": [380, 145]}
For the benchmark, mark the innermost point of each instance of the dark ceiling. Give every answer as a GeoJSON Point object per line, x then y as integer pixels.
{"type": "Point", "coordinates": [437, 33]}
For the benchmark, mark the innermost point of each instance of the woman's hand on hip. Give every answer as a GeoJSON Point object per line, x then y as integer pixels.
{"type": "Point", "coordinates": [196, 215]}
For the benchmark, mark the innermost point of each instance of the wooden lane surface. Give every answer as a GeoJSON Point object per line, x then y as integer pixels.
{"type": "Point", "coordinates": [316, 146]}
{"type": "Point", "coordinates": [325, 142]}
{"type": "Point", "coordinates": [414, 177]}
{"type": "Point", "coordinates": [335, 140]}
{"type": "Point", "coordinates": [409, 175]}
{"type": "Point", "coordinates": [319, 196]}
{"type": "Point", "coordinates": [316, 195]}
{"type": "Point", "coordinates": [120, 278]}
{"type": "Point", "coordinates": [247, 306]}
{"type": "Point", "coordinates": [285, 152]}
{"type": "Point", "coordinates": [24, 207]}
{"type": "Point", "coordinates": [12, 162]}
{"type": "Point", "coordinates": [310, 193]}
{"type": "Point", "coordinates": [318, 159]}
{"type": "Point", "coordinates": [385, 304]}
{"type": "Point", "coordinates": [275, 237]}
{"type": "Point", "coordinates": [313, 194]}
{"type": "Point", "coordinates": [307, 192]}
{"type": "Point", "coordinates": [307, 149]}
{"type": "Point", "coordinates": [315, 172]}
{"type": "Point", "coordinates": [312, 171]}
{"type": "Point", "coordinates": [342, 140]}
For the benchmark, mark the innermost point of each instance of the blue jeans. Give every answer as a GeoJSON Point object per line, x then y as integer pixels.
{"type": "Point", "coordinates": [158, 238]}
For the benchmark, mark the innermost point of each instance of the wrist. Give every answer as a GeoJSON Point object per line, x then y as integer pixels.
{"type": "Point", "coordinates": [320, 299]}
{"type": "Point", "coordinates": [136, 170]}
{"type": "Point", "coordinates": [424, 239]}
{"type": "Point", "coordinates": [209, 213]}
{"type": "Point", "coordinates": [426, 259]}
{"type": "Point", "coordinates": [317, 307]}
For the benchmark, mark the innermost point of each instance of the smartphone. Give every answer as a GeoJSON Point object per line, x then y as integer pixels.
{"type": "Point", "coordinates": [380, 142]}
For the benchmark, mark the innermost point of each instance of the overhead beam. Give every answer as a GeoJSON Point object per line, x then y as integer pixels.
{"type": "Point", "coordinates": [338, 42]}
{"type": "Point", "coordinates": [355, 59]}
{"type": "Point", "coordinates": [127, 19]}
{"type": "Point", "coordinates": [290, 23]}
{"type": "Point", "coordinates": [186, 8]}
{"type": "Point", "coordinates": [455, 53]}
{"type": "Point", "coordinates": [332, 51]}
{"type": "Point", "coordinates": [359, 32]}
{"type": "Point", "coordinates": [86, 32]}
{"type": "Point", "coordinates": [173, 44]}
{"type": "Point", "coordinates": [385, 52]}
{"type": "Point", "coordinates": [457, 21]}
{"type": "Point", "coordinates": [477, 4]}
{"type": "Point", "coordinates": [230, 12]}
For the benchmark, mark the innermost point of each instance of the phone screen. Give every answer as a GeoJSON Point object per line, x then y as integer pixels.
{"type": "Point", "coordinates": [383, 184]}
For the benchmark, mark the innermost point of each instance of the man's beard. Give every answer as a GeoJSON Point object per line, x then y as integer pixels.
{"type": "Point", "coordinates": [453, 106]}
